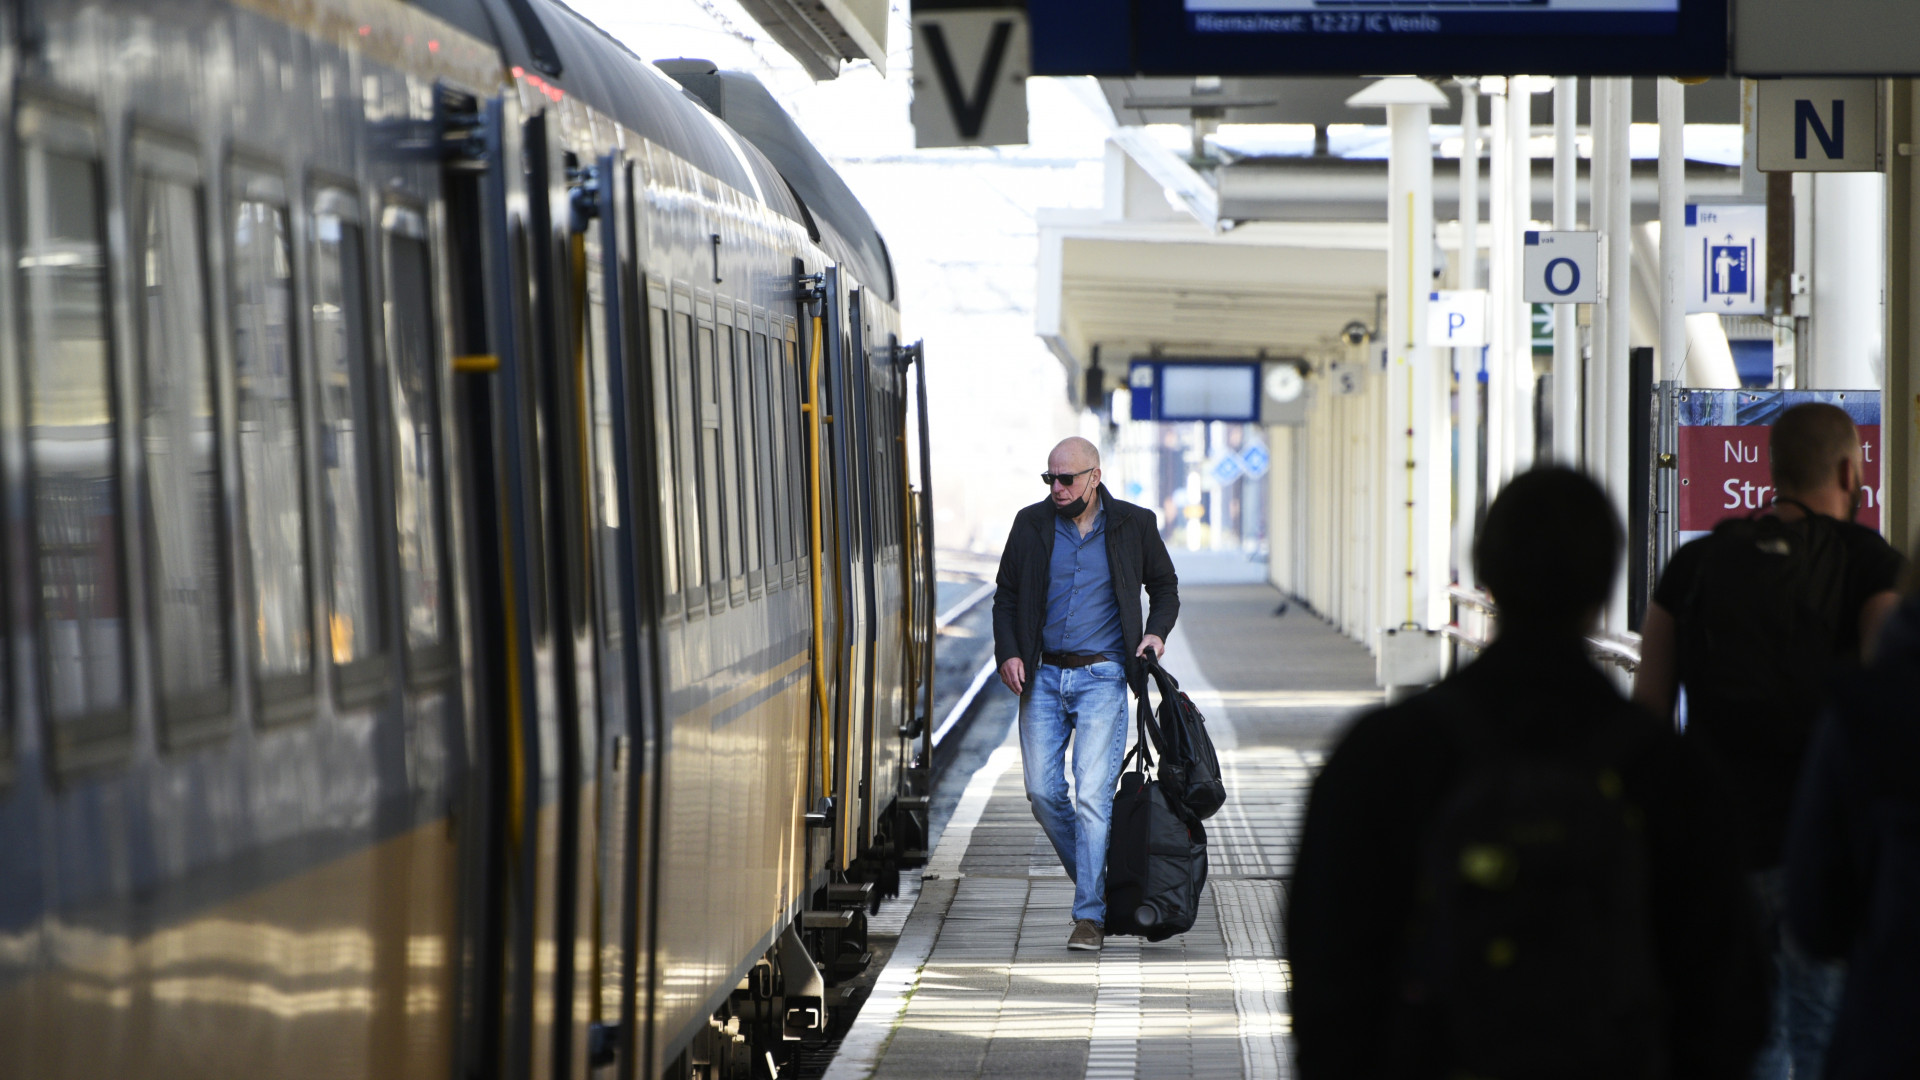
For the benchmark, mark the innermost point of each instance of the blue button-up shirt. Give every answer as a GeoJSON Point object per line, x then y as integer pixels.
{"type": "Point", "coordinates": [1082, 614]}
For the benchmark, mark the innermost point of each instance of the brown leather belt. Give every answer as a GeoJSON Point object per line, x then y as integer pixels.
{"type": "Point", "coordinates": [1071, 660]}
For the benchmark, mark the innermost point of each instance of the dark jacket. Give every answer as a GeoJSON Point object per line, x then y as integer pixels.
{"type": "Point", "coordinates": [1136, 557]}
{"type": "Point", "coordinates": [1853, 857]}
{"type": "Point", "coordinates": [1352, 904]}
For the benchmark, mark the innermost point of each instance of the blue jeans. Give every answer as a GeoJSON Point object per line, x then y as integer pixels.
{"type": "Point", "coordinates": [1806, 993]}
{"type": "Point", "coordinates": [1088, 705]}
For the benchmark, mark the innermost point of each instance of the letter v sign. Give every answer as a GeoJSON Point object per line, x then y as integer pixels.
{"type": "Point", "coordinates": [969, 111]}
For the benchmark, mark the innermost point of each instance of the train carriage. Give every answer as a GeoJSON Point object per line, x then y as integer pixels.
{"type": "Point", "coordinates": [467, 551]}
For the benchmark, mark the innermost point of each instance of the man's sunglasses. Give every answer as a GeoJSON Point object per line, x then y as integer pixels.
{"type": "Point", "coordinates": [1052, 478]}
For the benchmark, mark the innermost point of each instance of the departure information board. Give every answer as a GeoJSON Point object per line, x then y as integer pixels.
{"type": "Point", "coordinates": [1356, 37]}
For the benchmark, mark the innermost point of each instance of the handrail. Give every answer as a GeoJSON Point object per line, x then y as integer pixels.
{"type": "Point", "coordinates": [811, 408]}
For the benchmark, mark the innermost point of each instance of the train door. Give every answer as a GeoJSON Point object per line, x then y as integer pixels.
{"type": "Point", "coordinates": [620, 488]}
{"type": "Point", "coordinates": [841, 456]}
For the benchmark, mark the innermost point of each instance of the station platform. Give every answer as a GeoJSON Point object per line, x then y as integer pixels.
{"type": "Point", "coordinates": [980, 982]}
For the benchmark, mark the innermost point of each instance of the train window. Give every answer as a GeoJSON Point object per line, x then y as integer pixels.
{"type": "Point", "coordinates": [349, 492]}
{"type": "Point", "coordinates": [72, 438]}
{"type": "Point", "coordinates": [686, 471]}
{"type": "Point", "coordinates": [186, 555]}
{"type": "Point", "coordinates": [729, 448]}
{"type": "Point", "coordinates": [772, 461]}
{"type": "Point", "coordinates": [713, 525]}
{"type": "Point", "coordinates": [747, 414]}
{"type": "Point", "coordinates": [657, 364]}
{"type": "Point", "coordinates": [418, 501]}
{"type": "Point", "coordinates": [266, 375]}
{"type": "Point", "coordinates": [603, 463]}
{"type": "Point", "coordinates": [797, 449]}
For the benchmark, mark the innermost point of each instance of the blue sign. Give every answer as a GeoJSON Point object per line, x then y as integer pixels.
{"type": "Point", "coordinates": [1727, 275]}
{"type": "Point", "coordinates": [1225, 470]}
{"type": "Point", "coordinates": [1254, 459]}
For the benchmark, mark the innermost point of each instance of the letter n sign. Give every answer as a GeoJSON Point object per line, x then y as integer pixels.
{"type": "Point", "coordinates": [1819, 125]}
{"type": "Point", "coordinates": [969, 77]}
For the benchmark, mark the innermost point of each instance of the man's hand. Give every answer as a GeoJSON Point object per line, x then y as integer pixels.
{"type": "Point", "coordinates": [1014, 674]}
{"type": "Point", "coordinates": [1151, 641]}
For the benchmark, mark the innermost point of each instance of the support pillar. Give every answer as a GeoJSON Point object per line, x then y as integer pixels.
{"type": "Point", "coordinates": [1619, 290]}
{"type": "Point", "coordinates": [1466, 362]}
{"type": "Point", "coordinates": [1566, 330]}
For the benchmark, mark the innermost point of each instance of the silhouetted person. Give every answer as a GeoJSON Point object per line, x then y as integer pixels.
{"type": "Point", "coordinates": [1756, 620]}
{"type": "Point", "coordinates": [1518, 873]}
{"type": "Point", "coordinates": [1853, 856]}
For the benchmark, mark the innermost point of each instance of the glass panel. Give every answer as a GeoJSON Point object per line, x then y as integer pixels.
{"type": "Point", "coordinates": [186, 557]}
{"type": "Point", "coordinates": [772, 461]}
{"type": "Point", "coordinates": [71, 439]}
{"type": "Point", "coordinates": [713, 524]}
{"type": "Point", "coordinates": [604, 493]}
{"type": "Point", "coordinates": [347, 487]}
{"type": "Point", "coordinates": [686, 472]}
{"type": "Point", "coordinates": [797, 449]}
{"type": "Point", "coordinates": [746, 428]}
{"type": "Point", "coordinates": [266, 377]}
{"type": "Point", "coordinates": [729, 449]}
{"type": "Point", "coordinates": [657, 364]}
{"type": "Point", "coordinates": [416, 425]}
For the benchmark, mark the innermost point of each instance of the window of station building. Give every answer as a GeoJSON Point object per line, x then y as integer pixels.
{"type": "Point", "coordinates": [271, 434]}
{"type": "Point", "coordinates": [72, 439]}
{"type": "Point", "coordinates": [419, 504]}
{"type": "Point", "coordinates": [712, 489]}
{"type": "Point", "coordinates": [748, 413]}
{"type": "Point", "coordinates": [186, 555]}
{"type": "Point", "coordinates": [686, 440]}
{"type": "Point", "coordinates": [658, 366]}
{"type": "Point", "coordinates": [729, 485]}
{"type": "Point", "coordinates": [349, 488]}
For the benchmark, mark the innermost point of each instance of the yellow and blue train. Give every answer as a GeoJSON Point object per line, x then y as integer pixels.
{"type": "Point", "coordinates": [467, 562]}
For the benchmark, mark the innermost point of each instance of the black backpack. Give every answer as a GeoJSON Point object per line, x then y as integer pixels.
{"type": "Point", "coordinates": [1760, 626]}
{"type": "Point", "coordinates": [1156, 854]}
{"type": "Point", "coordinates": [1531, 951]}
{"type": "Point", "coordinates": [1189, 768]}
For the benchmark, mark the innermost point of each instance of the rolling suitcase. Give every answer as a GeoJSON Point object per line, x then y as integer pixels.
{"type": "Point", "coordinates": [1156, 854]}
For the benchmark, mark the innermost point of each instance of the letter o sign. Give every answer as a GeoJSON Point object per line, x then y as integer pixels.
{"type": "Point", "coordinates": [1562, 270]}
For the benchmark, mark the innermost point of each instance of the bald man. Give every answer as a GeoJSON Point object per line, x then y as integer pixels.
{"type": "Point", "coordinates": [1069, 638]}
{"type": "Point", "coordinates": [1755, 620]}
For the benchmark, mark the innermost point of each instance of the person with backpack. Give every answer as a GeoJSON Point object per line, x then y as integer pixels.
{"type": "Point", "coordinates": [1757, 620]}
{"type": "Point", "coordinates": [1852, 862]}
{"type": "Point", "coordinates": [1520, 874]}
{"type": "Point", "coordinates": [1068, 636]}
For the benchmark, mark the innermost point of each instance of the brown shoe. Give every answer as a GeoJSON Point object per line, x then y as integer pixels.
{"type": "Point", "coordinates": [1086, 935]}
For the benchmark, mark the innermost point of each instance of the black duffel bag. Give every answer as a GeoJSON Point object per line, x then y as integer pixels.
{"type": "Point", "coordinates": [1188, 765]}
{"type": "Point", "coordinates": [1156, 855]}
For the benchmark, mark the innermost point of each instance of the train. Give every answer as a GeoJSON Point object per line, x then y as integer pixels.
{"type": "Point", "coordinates": [468, 554]}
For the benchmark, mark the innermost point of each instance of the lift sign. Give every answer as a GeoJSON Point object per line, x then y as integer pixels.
{"type": "Point", "coordinates": [1722, 452]}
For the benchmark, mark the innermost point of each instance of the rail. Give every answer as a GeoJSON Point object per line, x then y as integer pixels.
{"type": "Point", "coordinates": [965, 605]}
{"type": "Point", "coordinates": [1620, 650]}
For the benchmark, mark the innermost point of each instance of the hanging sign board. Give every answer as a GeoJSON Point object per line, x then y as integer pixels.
{"type": "Point", "coordinates": [1561, 267]}
{"type": "Point", "coordinates": [1727, 260]}
{"type": "Point", "coordinates": [1457, 319]}
{"type": "Point", "coordinates": [969, 77]}
{"type": "Point", "coordinates": [1722, 451]}
{"type": "Point", "coordinates": [1818, 125]}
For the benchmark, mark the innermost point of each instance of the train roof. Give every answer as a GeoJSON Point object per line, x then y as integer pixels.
{"type": "Point", "coordinates": [772, 156]}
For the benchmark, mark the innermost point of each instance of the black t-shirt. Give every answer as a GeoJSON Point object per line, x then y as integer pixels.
{"type": "Point", "coordinates": [1761, 742]}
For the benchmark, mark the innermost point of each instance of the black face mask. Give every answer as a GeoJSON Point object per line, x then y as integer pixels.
{"type": "Point", "coordinates": [1073, 509]}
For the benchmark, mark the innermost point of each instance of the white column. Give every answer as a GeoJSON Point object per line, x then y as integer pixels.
{"type": "Point", "coordinates": [1849, 280]}
{"type": "Point", "coordinates": [1521, 384]}
{"type": "Point", "coordinates": [1566, 331]}
{"type": "Point", "coordinates": [1619, 310]}
{"type": "Point", "coordinates": [1594, 385]}
{"type": "Point", "coordinates": [1413, 448]}
{"type": "Point", "coordinates": [1501, 285]}
{"type": "Point", "coordinates": [1467, 361]}
{"type": "Point", "coordinates": [1673, 207]}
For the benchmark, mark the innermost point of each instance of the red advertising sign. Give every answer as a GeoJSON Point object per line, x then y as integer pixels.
{"type": "Point", "coordinates": [1724, 472]}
